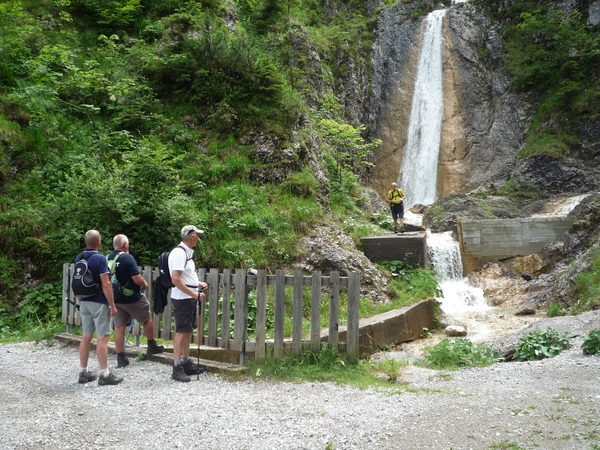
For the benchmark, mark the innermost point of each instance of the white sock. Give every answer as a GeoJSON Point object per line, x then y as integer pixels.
{"type": "Point", "coordinates": [104, 372]}
{"type": "Point", "coordinates": [83, 369]}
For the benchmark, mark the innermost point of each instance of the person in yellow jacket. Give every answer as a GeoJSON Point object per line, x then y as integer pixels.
{"type": "Point", "coordinates": [395, 197]}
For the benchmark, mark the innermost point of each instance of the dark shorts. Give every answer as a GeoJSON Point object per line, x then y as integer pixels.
{"type": "Point", "coordinates": [398, 211]}
{"type": "Point", "coordinates": [139, 310]}
{"type": "Point", "coordinates": [185, 314]}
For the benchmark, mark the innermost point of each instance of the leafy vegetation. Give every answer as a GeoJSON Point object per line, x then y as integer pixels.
{"type": "Point", "coordinates": [541, 344]}
{"type": "Point", "coordinates": [591, 343]}
{"type": "Point", "coordinates": [553, 56]}
{"type": "Point", "coordinates": [587, 290]}
{"type": "Point", "coordinates": [134, 117]}
{"type": "Point", "coordinates": [458, 353]}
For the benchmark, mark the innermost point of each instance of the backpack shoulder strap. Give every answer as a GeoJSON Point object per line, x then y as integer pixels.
{"type": "Point", "coordinates": [184, 251]}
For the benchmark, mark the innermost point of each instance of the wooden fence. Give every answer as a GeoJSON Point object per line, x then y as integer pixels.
{"type": "Point", "coordinates": [222, 286]}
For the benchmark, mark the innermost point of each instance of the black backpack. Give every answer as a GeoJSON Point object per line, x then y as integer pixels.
{"type": "Point", "coordinates": [83, 283]}
{"type": "Point", "coordinates": [164, 274]}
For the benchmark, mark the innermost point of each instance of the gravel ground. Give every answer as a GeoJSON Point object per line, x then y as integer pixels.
{"type": "Point", "coordinates": [550, 404]}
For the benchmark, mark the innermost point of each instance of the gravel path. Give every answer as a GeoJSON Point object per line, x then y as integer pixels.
{"type": "Point", "coordinates": [551, 404]}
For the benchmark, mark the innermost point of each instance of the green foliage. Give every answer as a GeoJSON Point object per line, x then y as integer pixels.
{"type": "Point", "coordinates": [454, 354]}
{"type": "Point", "coordinates": [587, 287]}
{"type": "Point", "coordinates": [555, 310]}
{"type": "Point", "coordinates": [556, 56]}
{"type": "Point", "coordinates": [390, 367]}
{"type": "Point", "coordinates": [407, 286]}
{"type": "Point", "coordinates": [541, 344]}
{"type": "Point", "coordinates": [38, 316]}
{"type": "Point", "coordinates": [323, 366]}
{"type": "Point", "coordinates": [346, 145]}
{"type": "Point", "coordinates": [591, 343]}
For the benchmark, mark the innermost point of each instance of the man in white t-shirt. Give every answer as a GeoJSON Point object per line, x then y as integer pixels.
{"type": "Point", "coordinates": [187, 291]}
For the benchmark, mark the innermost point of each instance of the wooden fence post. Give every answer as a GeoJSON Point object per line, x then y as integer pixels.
{"type": "Point", "coordinates": [226, 309]}
{"type": "Point", "coordinates": [261, 315]}
{"type": "Point", "coordinates": [315, 312]}
{"type": "Point", "coordinates": [213, 306]}
{"type": "Point", "coordinates": [239, 318]}
{"type": "Point", "coordinates": [352, 334]}
{"type": "Point", "coordinates": [334, 309]}
{"type": "Point", "coordinates": [297, 312]}
{"type": "Point", "coordinates": [279, 313]}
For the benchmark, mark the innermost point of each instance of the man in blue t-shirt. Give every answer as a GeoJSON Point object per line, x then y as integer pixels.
{"type": "Point", "coordinates": [132, 303]}
{"type": "Point", "coordinates": [95, 313]}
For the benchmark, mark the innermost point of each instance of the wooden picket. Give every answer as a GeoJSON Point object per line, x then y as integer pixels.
{"type": "Point", "coordinates": [221, 287]}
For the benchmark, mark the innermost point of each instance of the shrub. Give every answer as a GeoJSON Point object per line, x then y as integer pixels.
{"type": "Point", "coordinates": [460, 353]}
{"type": "Point", "coordinates": [591, 343]}
{"type": "Point", "coordinates": [541, 344]}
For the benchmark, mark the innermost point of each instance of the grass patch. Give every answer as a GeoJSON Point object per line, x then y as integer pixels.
{"type": "Point", "coordinates": [328, 365]}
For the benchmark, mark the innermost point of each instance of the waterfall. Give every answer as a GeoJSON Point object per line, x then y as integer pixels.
{"type": "Point", "coordinates": [418, 176]}
{"type": "Point", "coordinates": [459, 296]}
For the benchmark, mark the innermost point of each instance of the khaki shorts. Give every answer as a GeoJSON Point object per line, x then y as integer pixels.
{"type": "Point", "coordinates": [139, 310]}
{"type": "Point", "coordinates": [94, 318]}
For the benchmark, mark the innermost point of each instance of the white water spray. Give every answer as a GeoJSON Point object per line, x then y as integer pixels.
{"type": "Point", "coordinates": [418, 176]}
{"type": "Point", "coordinates": [459, 295]}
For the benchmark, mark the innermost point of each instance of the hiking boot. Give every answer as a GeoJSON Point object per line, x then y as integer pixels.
{"type": "Point", "coordinates": [179, 374]}
{"type": "Point", "coordinates": [122, 361]}
{"type": "Point", "coordinates": [192, 369]}
{"type": "Point", "coordinates": [86, 377]}
{"type": "Point", "coordinates": [395, 230]}
{"type": "Point", "coordinates": [401, 229]}
{"type": "Point", "coordinates": [111, 379]}
{"type": "Point", "coordinates": [154, 349]}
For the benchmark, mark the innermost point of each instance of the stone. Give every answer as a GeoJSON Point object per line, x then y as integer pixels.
{"type": "Point", "coordinates": [525, 312]}
{"type": "Point", "coordinates": [455, 331]}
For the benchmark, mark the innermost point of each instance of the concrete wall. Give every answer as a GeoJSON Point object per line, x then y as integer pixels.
{"type": "Point", "coordinates": [409, 247]}
{"type": "Point", "coordinates": [497, 239]}
{"type": "Point", "coordinates": [393, 327]}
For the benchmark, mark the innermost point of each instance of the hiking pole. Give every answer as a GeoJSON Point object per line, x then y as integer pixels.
{"type": "Point", "coordinates": [129, 332]}
{"type": "Point", "coordinates": [200, 331]}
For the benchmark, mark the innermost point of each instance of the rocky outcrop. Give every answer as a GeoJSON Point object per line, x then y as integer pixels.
{"type": "Point", "coordinates": [484, 122]}
{"type": "Point", "coordinates": [328, 249]}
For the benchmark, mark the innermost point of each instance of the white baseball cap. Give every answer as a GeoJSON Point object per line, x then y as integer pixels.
{"type": "Point", "coordinates": [188, 229]}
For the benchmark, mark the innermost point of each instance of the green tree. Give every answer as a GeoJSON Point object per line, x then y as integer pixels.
{"type": "Point", "coordinates": [346, 145]}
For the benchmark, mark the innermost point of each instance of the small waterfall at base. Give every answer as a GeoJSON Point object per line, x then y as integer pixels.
{"type": "Point", "coordinates": [459, 295]}
{"type": "Point", "coordinates": [462, 303]}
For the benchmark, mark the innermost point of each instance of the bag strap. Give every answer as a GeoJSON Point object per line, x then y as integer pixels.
{"type": "Point", "coordinates": [185, 251]}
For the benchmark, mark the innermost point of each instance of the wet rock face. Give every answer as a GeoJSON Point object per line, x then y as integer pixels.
{"type": "Point", "coordinates": [551, 175]}
{"type": "Point", "coordinates": [487, 123]}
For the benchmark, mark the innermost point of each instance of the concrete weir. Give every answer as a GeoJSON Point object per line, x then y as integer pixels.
{"type": "Point", "coordinates": [409, 247]}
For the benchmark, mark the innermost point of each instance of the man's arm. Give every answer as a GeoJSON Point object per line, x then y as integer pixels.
{"type": "Point", "coordinates": [139, 280]}
{"type": "Point", "coordinates": [108, 293]}
{"type": "Point", "coordinates": [176, 280]}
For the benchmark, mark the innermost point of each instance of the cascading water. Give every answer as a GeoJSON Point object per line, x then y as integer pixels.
{"type": "Point", "coordinates": [418, 176]}
{"type": "Point", "coordinates": [459, 295]}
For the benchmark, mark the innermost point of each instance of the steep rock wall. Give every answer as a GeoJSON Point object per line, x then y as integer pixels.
{"type": "Point", "coordinates": [484, 122]}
